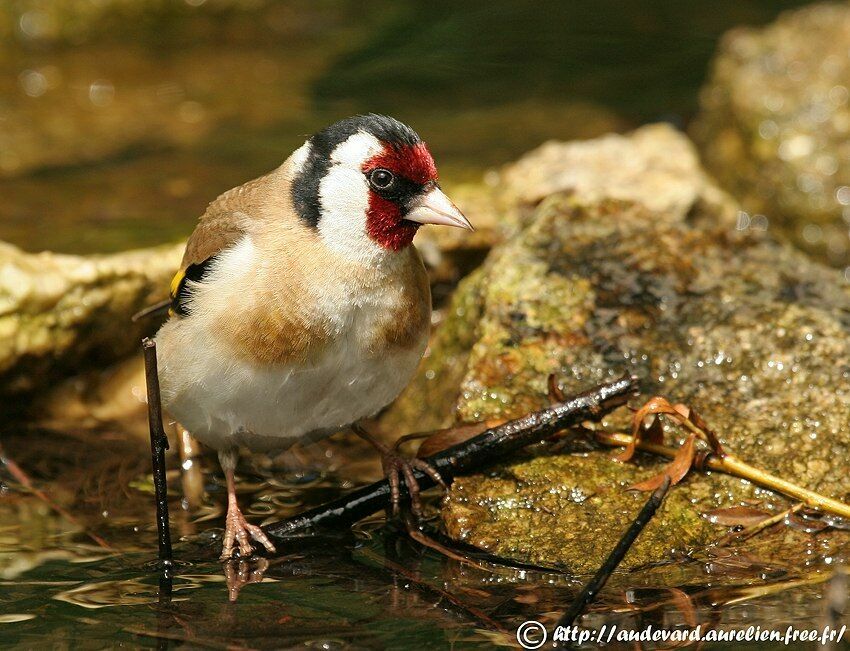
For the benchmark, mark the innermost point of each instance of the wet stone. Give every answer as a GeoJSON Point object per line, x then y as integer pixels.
{"type": "Point", "coordinates": [773, 125]}
{"type": "Point", "coordinates": [747, 331]}
{"type": "Point", "coordinates": [570, 510]}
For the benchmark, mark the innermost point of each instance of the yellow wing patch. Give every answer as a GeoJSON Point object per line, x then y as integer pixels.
{"type": "Point", "coordinates": [175, 282]}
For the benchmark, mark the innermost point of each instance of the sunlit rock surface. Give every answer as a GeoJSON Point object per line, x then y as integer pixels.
{"type": "Point", "coordinates": [654, 166]}
{"type": "Point", "coordinates": [748, 332]}
{"type": "Point", "coordinates": [61, 314]}
{"type": "Point", "coordinates": [569, 509]}
{"type": "Point", "coordinates": [774, 126]}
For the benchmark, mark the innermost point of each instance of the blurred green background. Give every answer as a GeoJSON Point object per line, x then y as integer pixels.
{"type": "Point", "coordinates": [121, 119]}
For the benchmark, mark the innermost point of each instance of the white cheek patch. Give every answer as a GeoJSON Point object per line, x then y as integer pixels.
{"type": "Point", "coordinates": [356, 150]}
{"type": "Point", "coordinates": [344, 196]}
{"type": "Point", "coordinates": [344, 193]}
{"type": "Point", "coordinates": [299, 157]}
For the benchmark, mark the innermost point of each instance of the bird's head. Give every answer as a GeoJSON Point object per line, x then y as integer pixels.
{"type": "Point", "coordinates": [367, 183]}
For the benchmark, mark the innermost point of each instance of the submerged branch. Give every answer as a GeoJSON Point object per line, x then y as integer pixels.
{"type": "Point", "coordinates": [488, 447]}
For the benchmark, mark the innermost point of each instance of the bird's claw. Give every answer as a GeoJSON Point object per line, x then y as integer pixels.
{"type": "Point", "coordinates": [239, 531]}
{"type": "Point", "coordinates": [395, 467]}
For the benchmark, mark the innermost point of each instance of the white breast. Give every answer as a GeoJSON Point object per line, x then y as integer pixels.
{"type": "Point", "coordinates": [224, 400]}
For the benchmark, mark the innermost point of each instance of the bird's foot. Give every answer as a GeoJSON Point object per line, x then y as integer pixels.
{"type": "Point", "coordinates": [397, 467]}
{"type": "Point", "coordinates": [238, 531]}
{"type": "Point", "coordinates": [239, 573]}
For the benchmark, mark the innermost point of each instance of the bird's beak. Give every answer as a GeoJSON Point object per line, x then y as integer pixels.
{"type": "Point", "coordinates": [434, 207]}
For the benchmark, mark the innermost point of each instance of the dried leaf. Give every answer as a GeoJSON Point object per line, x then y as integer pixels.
{"type": "Point", "coordinates": [655, 405]}
{"type": "Point", "coordinates": [712, 438]}
{"type": "Point", "coordinates": [764, 524]}
{"type": "Point", "coordinates": [654, 433]}
{"type": "Point", "coordinates": [445, 438]}
{"type": "Point", "coordinates": [555, 393]}
{"type": "Point", "coordinates": [736, 515]}
{"type": "Point", "coordinates": [682, 409]}
{"type": "Point", "coordinates": [801, 522]}
{"type": "Point", "coordinates": [675, 470]}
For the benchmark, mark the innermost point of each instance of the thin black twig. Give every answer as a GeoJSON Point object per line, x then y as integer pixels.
{"type": "Point", "coordinates": [488, 447]}
{"type": "Point", "coordinates": [616, 556]}
{"type": "Point", "coordinates": [159, 444]}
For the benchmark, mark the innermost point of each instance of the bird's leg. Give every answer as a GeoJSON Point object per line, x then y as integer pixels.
{"type": "Point", "coordinates": [237, 529]}
{"type": "Point", "coordinates": [395, 467]}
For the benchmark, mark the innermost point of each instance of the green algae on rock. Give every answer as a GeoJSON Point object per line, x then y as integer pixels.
{"type": "Point", "coordinates": [572, 509]}
{"type": "Point", "coordinates": [774, 124]}
{"type": "Point", "coordinates": [749, 332]}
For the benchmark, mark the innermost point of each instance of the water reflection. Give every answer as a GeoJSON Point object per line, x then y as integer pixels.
{"type": "Point", "coordinates": [373, 587]}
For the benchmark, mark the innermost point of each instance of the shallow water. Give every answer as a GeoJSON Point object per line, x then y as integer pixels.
{"type": "Point", "coordinates": [371, 588]}
{"type": "Point", "coordinates": [146, 120]}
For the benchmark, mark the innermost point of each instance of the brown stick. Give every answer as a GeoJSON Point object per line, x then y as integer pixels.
{"type": "Point", "coordinates": [17, 472]}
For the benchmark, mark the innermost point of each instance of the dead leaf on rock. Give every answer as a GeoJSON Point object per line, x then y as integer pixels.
{"type": "Point", "coordinates": [655, 405]}
{"type": "Point", "coordinates": [675, 470]}
{"type": "Point", "coordinates": [733, 516]}
{"type": "Point", "coordinates": [446, 438]}
{"type": "Point", "coordinates": [712, 438]}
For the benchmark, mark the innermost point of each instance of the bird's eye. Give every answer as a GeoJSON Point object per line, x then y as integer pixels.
{"type": "Point", "coordinates": [381, 179]}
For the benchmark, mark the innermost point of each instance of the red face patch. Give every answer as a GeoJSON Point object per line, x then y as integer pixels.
{"type": "Point", "coordinates": [414, 167]}
{"type": "Point", "coordinates": [386, 226]}
{"type": "Point", "coordinates": [413, 163]}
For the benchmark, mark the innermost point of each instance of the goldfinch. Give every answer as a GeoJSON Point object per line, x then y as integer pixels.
{"type": "Point", "coordinates": [302, 306]}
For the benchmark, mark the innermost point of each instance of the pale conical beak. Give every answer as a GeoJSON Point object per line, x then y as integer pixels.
{"type": "Point", "coordinates": [434, 207]}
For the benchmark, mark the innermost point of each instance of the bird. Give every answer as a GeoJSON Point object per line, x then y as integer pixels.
{"type": "Point", "coordinates": [301, 306]}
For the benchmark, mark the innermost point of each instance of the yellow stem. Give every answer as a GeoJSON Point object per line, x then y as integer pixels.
{"type": "Point", "coordinates": [733, 466]}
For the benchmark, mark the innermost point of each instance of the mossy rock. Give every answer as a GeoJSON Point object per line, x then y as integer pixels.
{"type": "Point", "coordinates": [747, 331]}
{"type": "Point", "coordinates": [571, 509]}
